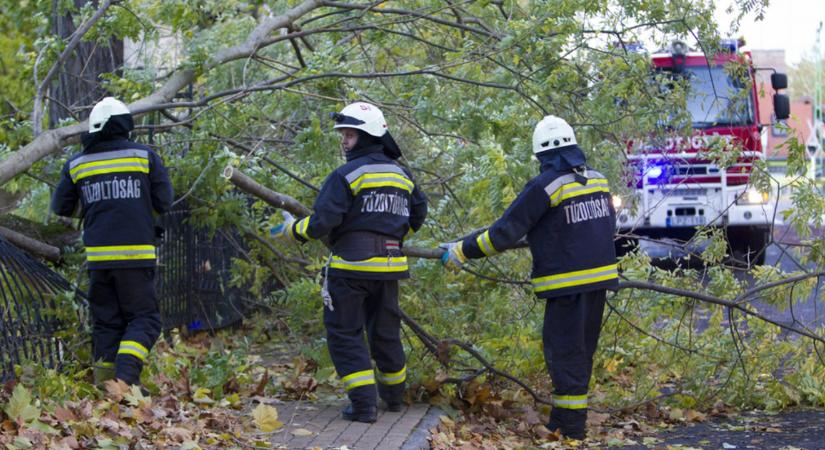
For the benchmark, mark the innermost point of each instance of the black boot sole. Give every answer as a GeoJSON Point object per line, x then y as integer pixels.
{"type": "Point", "coordinates": [363, 418]}
{"type": "Point", "coordinates": [395, 407]}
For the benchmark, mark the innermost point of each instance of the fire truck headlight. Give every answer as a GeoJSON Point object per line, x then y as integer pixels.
{"type": "Point", "coordinates": [753, 197]}
{"type": "Point", "coordinates": [617, 202]}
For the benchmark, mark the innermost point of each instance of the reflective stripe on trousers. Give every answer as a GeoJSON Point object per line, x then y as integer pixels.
{"type": "Point", "coordinates": [133, 348]}
{"type": "Point", "coordinates": [391, 378]}
{"type": "Point", "coordinates": [358, 379]}
{"type": "Point", "coordinates": [570, 401]}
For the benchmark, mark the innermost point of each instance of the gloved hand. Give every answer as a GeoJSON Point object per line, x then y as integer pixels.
{"type": "Point", "coordinates": [282, 229]}
{"type": "Point", "coordinates": [453, 258]}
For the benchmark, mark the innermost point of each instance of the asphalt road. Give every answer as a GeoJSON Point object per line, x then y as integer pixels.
{"type": "Point", "coordinates": [803, 429]}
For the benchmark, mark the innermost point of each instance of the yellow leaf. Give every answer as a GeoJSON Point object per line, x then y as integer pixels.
{"type": "Point", "coordinates": [202, 396]}
{"type": "Point", "coordinates": [266, 418]}
{"type": "Point", "coordinates": [302, 432]}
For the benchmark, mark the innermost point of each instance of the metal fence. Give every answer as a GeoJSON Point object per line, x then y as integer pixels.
{"type": "Point", "coordinates": [194, 292]}
{"type": "Point", "coordinates": [195, 270]}
{"type": "Point", "coordinates": [32, 300]}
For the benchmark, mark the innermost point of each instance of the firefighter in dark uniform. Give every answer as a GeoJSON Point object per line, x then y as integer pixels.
{"type": "Point", "coordinates": [567, 214]}
{"type": "Point", "coordinates": [366, 207]}
{"type": "Point", "coordinates": [115, 185]}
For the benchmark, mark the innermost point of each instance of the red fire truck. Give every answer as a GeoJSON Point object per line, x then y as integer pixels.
{"type": "Point", "coordinates": [678, 186]}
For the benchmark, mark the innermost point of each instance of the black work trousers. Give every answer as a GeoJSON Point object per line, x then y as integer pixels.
{"type": "Point", "coordinates": [371, 306]}
{"type": "Point", "coordinates": [571, 333]}
{"type": "Point", "coordinates": [125, 318]}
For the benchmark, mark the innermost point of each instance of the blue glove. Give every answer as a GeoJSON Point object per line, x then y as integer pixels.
{"type": "Point", "coordinates": [282, 230]}
{"type": "Point", "coordinates": [453, 258]}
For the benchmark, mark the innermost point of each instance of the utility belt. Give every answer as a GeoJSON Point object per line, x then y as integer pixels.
{"type": "Point", "coordinates": [368, 255]}
{"type": "Point", "coordinates": [363, 244]}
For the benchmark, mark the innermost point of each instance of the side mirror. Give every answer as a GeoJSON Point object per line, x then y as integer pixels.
{"type": "Point", "coordinates": [781, 106]}
{"type": "Point", "coordinates": [779, 81]}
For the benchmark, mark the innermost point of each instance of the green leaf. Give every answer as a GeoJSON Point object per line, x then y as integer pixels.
{"type": "Point", "coordinates": [20, 405]}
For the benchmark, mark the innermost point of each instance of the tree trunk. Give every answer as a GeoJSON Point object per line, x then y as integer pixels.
{"type": "Point", "coordinates": [77, 86]}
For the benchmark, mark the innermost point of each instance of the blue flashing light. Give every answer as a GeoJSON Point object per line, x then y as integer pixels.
{"type": "Point", "coordinates": [654, 172]}
{"type": "Point", "coordinates": [730, 45]}
{"type": "Point", "coordinates": [635, 47]}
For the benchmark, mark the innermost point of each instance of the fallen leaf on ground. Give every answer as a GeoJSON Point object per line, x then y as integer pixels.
{"type": "Point", "coordinates": [266, 418]}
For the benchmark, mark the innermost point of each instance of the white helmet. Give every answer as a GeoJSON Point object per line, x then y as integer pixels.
{"type": "Point", "coordinates": [361, 116]}
{"type": "Point", "coordinates": [551, 133]}
{"type": "Point", "coordinates": [103, 110]}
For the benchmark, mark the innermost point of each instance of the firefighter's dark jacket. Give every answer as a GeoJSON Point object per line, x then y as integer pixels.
{"type": "Point", "coordinates": [567, 214]}
{"type": "Point", "coordinates": [366, 207]}
{"type": "Point", "coordinates": [117, 184]}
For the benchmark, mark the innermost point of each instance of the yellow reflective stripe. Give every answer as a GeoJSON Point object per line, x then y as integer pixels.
{"type": "Point", "coordinates": [485, 244]}
{"type": "Point", "coordinates": [383, 179]}
{"type": "Point", "coordinates": [576, 278]}
{"type": "Point", "coordinates": [112, 170]}
{"type": "Point", "coordinates": [575, 189]}
{"type": "Point", "coordinates": [116, 165]}
{"type": "Point", "coordinates": [570, 401]}
{"type": "Point", "coordinates": [120, 252]}
{"type": "Point", "coordinates": [460, 250]}
{"type": "Point", "coordinates": [133, 348]}
{"type": "Point", "coordinates": [109, 162]}
{"type": "Point", "coordinates": [377, 264]}
{"type": "Point", "coordinates": [392, 378]}
{"type": "Point", "coordinates": [358, 379]}
{"type": "Point", "coordinates": [301, 228]}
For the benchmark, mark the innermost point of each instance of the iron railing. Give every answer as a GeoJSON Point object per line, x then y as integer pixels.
{"type": "Point", "coordinates": [31, 295]}
{"type": "Point", "coordinates": [194, 291]}
{"type": "Point", "coordinates": [195, 270]}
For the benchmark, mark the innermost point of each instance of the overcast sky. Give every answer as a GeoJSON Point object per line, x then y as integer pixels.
{"type": "Point", "coordinates": [788, 24]}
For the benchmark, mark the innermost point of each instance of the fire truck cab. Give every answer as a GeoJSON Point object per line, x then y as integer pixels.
{"type": "Point", "coordinates": [676, 183]}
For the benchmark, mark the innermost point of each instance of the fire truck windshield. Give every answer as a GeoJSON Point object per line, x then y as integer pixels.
{"type": "Point", "coordinates": [716, 98]}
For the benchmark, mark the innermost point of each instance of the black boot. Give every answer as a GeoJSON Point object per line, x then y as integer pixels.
{"type": "Point", "coordinates": [567, 432]}
{"type": "Point", "coordinates": [394, 407]}
{"type": "Point", "coordinates": [392, 396]}
{"type": "Point", "coordinates": [367, 415]}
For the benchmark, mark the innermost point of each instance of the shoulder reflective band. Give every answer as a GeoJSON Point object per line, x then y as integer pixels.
{"type": "Point", "coordinates": [577, 278]}
{"type": "Point", "coordinates": [133, 348]}
{"type": "Point", "coordinates": [485, 244]}
{"type": "Point", "coordinates": [575, 189]}
{"type": "Point", "coordinates": [570, 401]}
{"type": "Point", "coordinates": [392, 378]}
{"type": "Point", "coordinates": [120, 253]}
{"type": "Point", "coordinates": [109, 162]}
{"type": "Point", "coordinates": [358, 379]}
{"type": "Point", "coordinates": [378, 175]}
{"type": "Point", "coordinates": [377, 264]}
{"type": "Point", "coordinates": [300, 228]}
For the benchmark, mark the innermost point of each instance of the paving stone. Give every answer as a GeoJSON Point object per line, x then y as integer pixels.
{"type": "Point", "coordinates": [329, 430]}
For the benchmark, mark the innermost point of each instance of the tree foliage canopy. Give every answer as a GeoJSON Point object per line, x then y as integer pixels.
{"type": "Point", "coordinates": [250, 84]}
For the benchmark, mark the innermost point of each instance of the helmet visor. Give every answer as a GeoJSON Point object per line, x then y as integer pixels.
{"type": "Point", "coordinates": [342, 120]}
